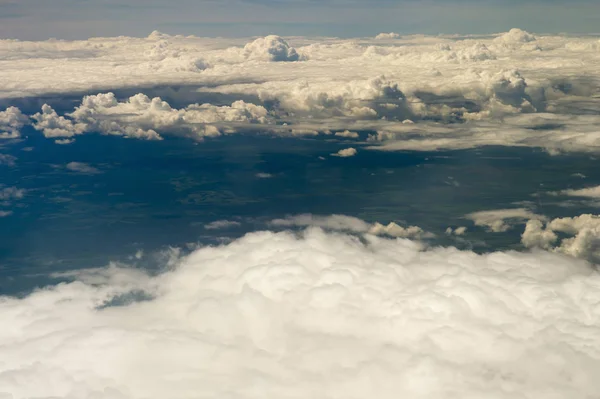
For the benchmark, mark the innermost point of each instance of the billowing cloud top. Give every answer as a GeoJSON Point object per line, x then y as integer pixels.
{"type": "Point", "coordinates": [412, 92]}
{"type": "Point", "coordinates": [325, 314]}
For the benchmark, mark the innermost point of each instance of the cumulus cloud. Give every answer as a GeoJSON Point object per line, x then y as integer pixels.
{"type": "Point", "coordinates": [351, 224]}
{"type": "Point", "coordinates": [141, 117]}
{"type": "Point", "coordinates": [345, 153]}
{"type": "Point", "coordinates": [270, 48]}
{"type": "Point", "coordinates": [221, 224]}
{"type": "Point", "coordinates": [500, 220]}
{"type": "Point", "coordinates": [460, 93]}
{"type": "Point", "coordinates": [83, 168]}
{"type": "Point", "coordinates": [515, 35]}
{"type": "Point", "coordinates": [285, 315]}
{"type": "Point", "coordinates": [582, 241]}
{"type": "Point", "coordinates": [11, 122]}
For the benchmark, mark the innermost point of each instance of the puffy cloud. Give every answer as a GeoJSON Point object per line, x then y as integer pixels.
{"type": "Point", "coordinates": [81, 167]}
{"type": "Point", "coordinates": [11, 122]}
{"type": "Point", "coordinates": [459, 231]}
{"type": "Point", "coordinates": [141, 117]}
{"type": "Point", "coordinates": [499, 220]}
{"type": "Point", "coordinates": [52, 125]}
{"type": "Point", "coordinates": [221, 224]}
{"type": "Point", "coordinates": [394, 230]}
{"type": "Point", "coordinates": [333, 222]}
{"type": "Point", "coordinates": [351, 224]}
{"type": "Point", "coordinates": [345, 153]}
{"type": "Point", "coordinates": [515, 35]}
{"type": "Point", "coordinates": [584, 232]}
{"type": "Point", "coordinates": [270, 48]}
{"type": "Point", "coordinates": [286, 315]}
{"type": "Point", "coordinates": [460, 93]}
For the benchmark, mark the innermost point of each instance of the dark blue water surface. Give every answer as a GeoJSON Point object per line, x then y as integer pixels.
{"type": "Point", "coordinates": [150, 195]}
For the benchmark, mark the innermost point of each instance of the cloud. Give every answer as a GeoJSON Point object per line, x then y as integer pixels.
{"type": "Point", "coordinates": [345, 153]}
{"type": "Point", "coordinates": [459, 92]}
{"type": "Point", "coordinates": [351, 224]}
{"type": "Point", "coordinates": [589, 192]}
{"type": "Point", "coordinates": [141, 117]}
{"type": "Point", "coordinates": [515, 35]}
{"type": "Point", "coordinates": [221, 224]}
{"type": "Point", "coordinates": [386, 36]}
{"type": "Point", "coordinates": [8, 160]}
{"type": "Point", "coordinates": [5, 213]}
{"type": "Point", "coordinates": [83, 168]}
{"type": "Point", "coordinates": [270, 48]}
{"type": "Point", "coordinates": [500, 220]}
{"type": "Point", "coordinates": [583, 236]}
{"type": "Point", "coordinates": [11, 193]}
{"type": "Point", "coordinates": [459, 231]}
{"type": "Point", "coordinates": [263, 175]}
{"type": "Point", "coordinates": [288, 315]}
{"type": "Point", "coordinates": [64, 141]}
{"type": "Point", "coordinates": [347, 134]}
{"type": "Point", "coordinates": [11, 122]}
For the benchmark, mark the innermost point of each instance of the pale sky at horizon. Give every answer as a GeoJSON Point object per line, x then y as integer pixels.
{"type": "Point", "coordinates": [75, 19]}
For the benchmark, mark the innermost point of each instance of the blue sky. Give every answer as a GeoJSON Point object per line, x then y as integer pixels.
{"type": "Point", "coordinates": [39, 19]}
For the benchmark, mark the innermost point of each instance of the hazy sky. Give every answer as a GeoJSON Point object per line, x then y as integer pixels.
{"type": "Point", "coordinates": [39, 19]}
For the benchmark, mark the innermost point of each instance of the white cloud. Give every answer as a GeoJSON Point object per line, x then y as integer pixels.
{"type": "Point", "coordinates": [64, 141]}
{"type": "Point", "coordinates": [500, 220]}
{"type": "Point", "coordinates": [502, 90]}
{"type": "Point", "coordinates": [5, 213]}
{"type": "Point", "coordinates": [11, 122]}
{"type": "Point", "coordinates": [141, 117]}
{"type": "Point", "coordinates": [583, 232]}
{"type": "Point", "coordinates": [53, 125]}
{"type": "Point", "coordinates": [384, 36]}
{"type": "Point", "coordinates": [459, 231]}
{"type": "Point", "coordinates": [221, 224]}
{"type": "Point", "coordinates": [590, 192]}
{"type": "Point", "coordinates": [81, 167]}
{"type": "Point", "coordinates": [11, 193]}
{"type": "Point", "coordinates": [270, 48]}
{"type": "Point", "coordinates": [347, 134]}
{"type": "Point", "coordinates": [282, 315]}
{"type": "Point", "coordinates": [515, 35]}
{"type": "Point", "coordinates": [345, 153]}
{"type": "Point", "coordinates": [394, 230]}
{"type": "Point", "coordinates": [351, 224]}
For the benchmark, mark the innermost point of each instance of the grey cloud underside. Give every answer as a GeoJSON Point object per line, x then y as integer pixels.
{"type": "Point", "coordinates": [408, 92]}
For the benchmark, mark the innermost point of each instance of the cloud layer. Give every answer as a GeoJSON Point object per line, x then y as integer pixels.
{"type": "Point", "coordinates": [316, 314]}
{"type": "Point", "coordinates": [410, 93]}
